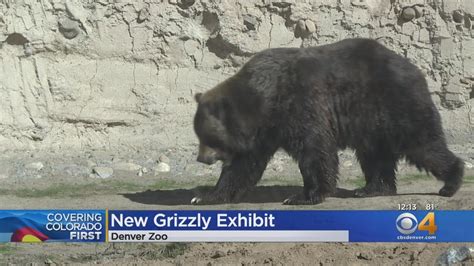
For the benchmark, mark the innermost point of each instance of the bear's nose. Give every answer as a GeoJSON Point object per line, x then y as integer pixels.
{"type": "Point", "coordinates": [206, 159]}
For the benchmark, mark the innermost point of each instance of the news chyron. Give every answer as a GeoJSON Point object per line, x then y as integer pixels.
{"type": "Point", "coordinates": [405, 225]}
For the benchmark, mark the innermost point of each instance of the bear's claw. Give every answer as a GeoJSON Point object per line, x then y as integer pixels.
{"type": "Point", "coordinates": [369, 191]}
{"type": "Point", "coordinates": [287, 202]}
{"type": "Point", "coordinates": [209, 199]}
{"type": "Point", "coordinates": [196, 200]}
{"type": "Point", "coordinates": [300, 199]}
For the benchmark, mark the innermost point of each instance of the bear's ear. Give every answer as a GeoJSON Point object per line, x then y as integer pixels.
{"type": "Point", "coordinates": [197, 97]}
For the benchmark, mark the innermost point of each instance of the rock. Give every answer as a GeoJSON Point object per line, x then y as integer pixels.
{"type": "Point", "coordinates": [217, 254]}
{"type": "Point", "coordinates": [250, 22]}
{"type": "Point", "coordinates": [363, 256]}
{"type": "Point", "coordinates": [142, 171]}
{"type": "Point", "coordinates": [300, 29]}
{"type": "Point", "coordinates": [186, 3]}
{"type": "Point", "coordinates": [162, 168]}
{"type": "Point", "coordinates": [347, 164]}
{"type": "Point", "coordinates": [434, 85]}
{"type": "Point", "coordinates": [454, 99]}
{"type": "Point", "coordinates": [436, 99]}
{"type": "Point", "coordinates": [123, 166]}
{"type": "Point", "coordinates": [455, 256]}
{"type": "Point", "coordinates": [442, 32]}
{"type": "Point", "coordinates": [268, 260]}
{"type": "Point", "coordinates": [28, 49]}
{"type": "Point", "coordinates": [73, 170]}
{"type": "Point", "coordinates": [143, 15]}
{"type": "Point", "coordinates": [424, 36]}
{"type": "Point", "coordinates": [360, 3]}
{"type": "Point", "coordinates": [418, 11]}
{"type": "Point", "coordinates": [304, 28]}
{"type": "Point", "coordinates": [91, 164]}
{"type": "Point", "coordinates": [77, 11]}
{"type": "Point", "coordinates": [454, 87]}
{"type": "Point", "coordinates": [163, 159]}
{"type": "Point", "coordinates": [458, 16]}
{"type": "Point", "coordinates": [310, 27]}
{"type": "Point", "coordinates": [408, 13]}
{"type": "Point", "coordinates": [37, 166]}
{"type": "Point", "coordinates": [69, 28]}
{"type": "Point", "coordinates": [301, 25]}
{"type": "Point", "coordinates": [103, 172]}
{"type": "Point", "coordinates": [278, 167]}
{"type": "Point", "coordinates": [468, 23]}
{"type": "Point", "coordinates": [468, 165]}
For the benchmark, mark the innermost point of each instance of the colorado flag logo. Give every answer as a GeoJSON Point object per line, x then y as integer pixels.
{"type": "Point", "coordinates": [20, 229]}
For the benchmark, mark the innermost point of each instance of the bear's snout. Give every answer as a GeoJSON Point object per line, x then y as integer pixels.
{"type": "Point", "coordinates": [207, 155]}
{"type": "Point", "coordinates": [206, 159]}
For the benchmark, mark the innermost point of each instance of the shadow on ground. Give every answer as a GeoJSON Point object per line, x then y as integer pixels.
{"type": "Point", "coordinates": [260, 194]}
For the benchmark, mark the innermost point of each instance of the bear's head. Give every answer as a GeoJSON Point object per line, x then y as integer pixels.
{"type": "Point", "coordinates": [225, 123]}
{"type": "Point", "coordinates": [211, 129]}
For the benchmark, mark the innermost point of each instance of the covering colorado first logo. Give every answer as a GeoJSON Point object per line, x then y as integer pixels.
{"type": "Point", "coordinates": [50, 226]}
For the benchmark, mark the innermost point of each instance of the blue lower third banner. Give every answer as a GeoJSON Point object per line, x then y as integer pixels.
{"type": "Point", "coordinates": [235, 226]}
{"type": "Point", "coordinates": [52, 225]}
{"type": "Point", "coordinates": [290, 226]}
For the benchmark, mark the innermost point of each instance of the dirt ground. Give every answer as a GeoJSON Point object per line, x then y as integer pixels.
{"type": "Point", "coordinates": [127, 191]}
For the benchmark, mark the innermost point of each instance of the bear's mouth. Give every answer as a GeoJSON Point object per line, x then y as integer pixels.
{"type": "Point", "coordinates": [209, 156]}
{"type": "Point", "coordinates": [207, 160]}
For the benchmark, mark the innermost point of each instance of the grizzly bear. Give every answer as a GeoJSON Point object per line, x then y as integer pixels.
{"type": "Point", "coordinates": [311, 102]}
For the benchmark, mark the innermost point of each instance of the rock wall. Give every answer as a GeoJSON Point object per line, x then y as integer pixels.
{"type": "Point", "coordinates": [117, 74]}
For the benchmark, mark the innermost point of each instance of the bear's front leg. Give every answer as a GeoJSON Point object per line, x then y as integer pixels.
{"type": "Point", "coordinates": [236, 178]}
{"type": "Point", "coordinates": [379, 168]}
{"type": "Point", "coordinates": [319, 170]}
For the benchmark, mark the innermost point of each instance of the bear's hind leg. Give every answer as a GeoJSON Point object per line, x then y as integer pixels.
{"type": "Point", "coordinates": [319, 170]}
{"type": "Point", "coordinates": [379, 170]}
{"type": "Point", "coordinates": [442, 163]}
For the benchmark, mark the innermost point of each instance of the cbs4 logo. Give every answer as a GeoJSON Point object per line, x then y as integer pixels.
{"type": "Point", "coordinates": [408, 224]}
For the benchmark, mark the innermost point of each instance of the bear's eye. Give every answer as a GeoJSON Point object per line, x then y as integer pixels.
{"type": "Point", "coordinates": [213, 142]}
{"type": "Point", "coordinates": [215, 110]}
{"type": "Point", "coordinates": [220, 109]}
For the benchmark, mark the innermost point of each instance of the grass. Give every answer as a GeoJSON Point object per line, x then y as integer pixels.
{"type": "Point", "coordinates": [113, 186]}
{"type": "Point", "coordinates": [469, 179]}
{"type": "Point", "coordinates": [416, 177]}
{"type": "Point", "coordinates": [104, 187]}
{"type": "Point", "coordinates": [6, 248]}
{"type": "Point", "coordinates": [281, 181]}
{"type": "Point", "coordinates": [360, 181]}
{"type": "Point", "coordinates": [60, 190]}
